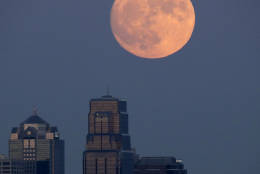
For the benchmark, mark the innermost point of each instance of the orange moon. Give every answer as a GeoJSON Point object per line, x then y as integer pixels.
{"type": "Point", "coordinates": [152, 28]}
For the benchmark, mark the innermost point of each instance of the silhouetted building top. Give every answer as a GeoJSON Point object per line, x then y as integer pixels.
{"type": "Point", "coordinates": [157, 161]}
{"type": "Point", "coordinates": [105, 97]}
{"type": "Point", "coordinates": [35, 119]}
{"type": "Point", "coordinates": [159, 165]}
{"type": "Point", "coordinates": [3, 157]}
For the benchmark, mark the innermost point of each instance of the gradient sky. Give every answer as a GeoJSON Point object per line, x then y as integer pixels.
{"type": "Point", "coordinates": [200, 105]}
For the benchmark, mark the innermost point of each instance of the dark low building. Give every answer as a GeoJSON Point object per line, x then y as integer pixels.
{"type": "Point", "coordinates": [159, 165]}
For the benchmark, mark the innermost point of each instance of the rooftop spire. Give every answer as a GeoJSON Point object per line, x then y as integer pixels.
{"type": "Point", "coordinates": [107, 95]}
{"type": "Point", "coordinates": [108, 90]}
{"type": "Point", "coordinates": [35, 110]}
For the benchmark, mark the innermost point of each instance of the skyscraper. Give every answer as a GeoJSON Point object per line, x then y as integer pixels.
{"type": "Point", "coordinates": [108, 147]}
{"type": "Point", "coordinates": [38, 145]}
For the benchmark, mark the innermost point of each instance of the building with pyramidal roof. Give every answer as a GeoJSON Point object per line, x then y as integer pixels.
{"type": "Point", "coordinates": [38, 145]}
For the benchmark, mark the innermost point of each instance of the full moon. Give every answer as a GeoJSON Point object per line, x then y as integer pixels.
{"type": "Point", "coordinates": [152, 28]}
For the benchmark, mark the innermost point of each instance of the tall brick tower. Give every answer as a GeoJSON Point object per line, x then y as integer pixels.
{"type": "Point", "coordinates": [108, 148]}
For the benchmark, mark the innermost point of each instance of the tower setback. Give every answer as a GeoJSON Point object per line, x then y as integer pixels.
{"type": "Point", "coordinates": [108, 147]}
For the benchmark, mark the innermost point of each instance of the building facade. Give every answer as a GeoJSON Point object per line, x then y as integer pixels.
{"type": "Point", "coordinates": [8, 166]}
{"type": "Point", "coordinates": [38, 145]}
{"type": "Point", "coordinates": [159, 165]}
{"type": "Point", "coordinates": [108, 146]}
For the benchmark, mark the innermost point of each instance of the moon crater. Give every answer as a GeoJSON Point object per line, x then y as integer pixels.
{"type": "Point", "coordinates": [152, 28]}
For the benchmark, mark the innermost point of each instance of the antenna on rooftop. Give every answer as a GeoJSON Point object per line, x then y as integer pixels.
{"type": "Point", "coordinates": [108, 90]}
{"type": "Point", "coordinates": [35, 110]}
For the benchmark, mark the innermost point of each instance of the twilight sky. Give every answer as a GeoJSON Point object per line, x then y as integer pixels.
{"type": "Point", "coordinates": [200, 105]}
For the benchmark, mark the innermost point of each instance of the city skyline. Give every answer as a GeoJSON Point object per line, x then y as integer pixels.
{"type": "Point", "coordinates": [203, 101]}
{"type": "Point", "coordinates": [36, 148]}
